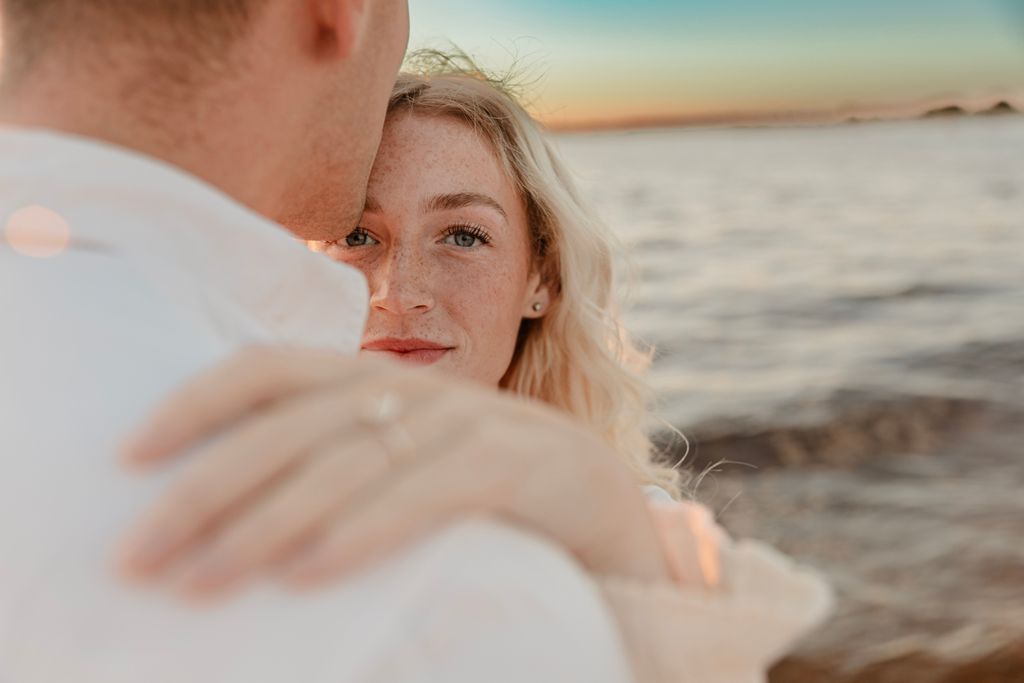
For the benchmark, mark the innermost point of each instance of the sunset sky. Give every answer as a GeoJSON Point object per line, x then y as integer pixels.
{"type": "Point", "coordinates": [607, 60]}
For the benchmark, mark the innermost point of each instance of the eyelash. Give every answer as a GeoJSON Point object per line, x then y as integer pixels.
{"type": "Point", "coordinates": [457, 229]}
{"type": "Point", "coordinates": [465, 228]}
{"type": "Point", "coordinates": [342, 243]}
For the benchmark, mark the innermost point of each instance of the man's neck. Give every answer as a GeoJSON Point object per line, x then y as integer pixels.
{"type": "Point", "coordinates": [215, 139]}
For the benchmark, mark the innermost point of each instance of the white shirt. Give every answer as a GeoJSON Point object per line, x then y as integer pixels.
{"type": "Point", "coordinates": [162, 277]}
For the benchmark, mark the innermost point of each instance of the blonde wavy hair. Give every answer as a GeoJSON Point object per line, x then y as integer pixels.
{"type": "Point", "coordinates": [578, 357]}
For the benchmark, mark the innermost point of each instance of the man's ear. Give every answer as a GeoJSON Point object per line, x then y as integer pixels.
{"type": "Point", "coordinates": [341, 25]}
{"type": "Point", "coordinates": [538, 298]}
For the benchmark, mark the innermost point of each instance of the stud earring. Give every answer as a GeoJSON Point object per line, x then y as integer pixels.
{"type": "Point", "coordinates": [537, 307]}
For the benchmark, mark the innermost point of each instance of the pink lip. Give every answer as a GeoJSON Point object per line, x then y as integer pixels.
{"type": "Point", "coordinates": [417, 351]}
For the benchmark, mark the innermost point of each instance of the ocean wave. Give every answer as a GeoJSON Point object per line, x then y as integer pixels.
{"type": "Point", "coordinates": [1001, 360]}
{"type": "Point", "coordinates": [842, 431]}
{"type": "Point", "coordinates": [921, 290]}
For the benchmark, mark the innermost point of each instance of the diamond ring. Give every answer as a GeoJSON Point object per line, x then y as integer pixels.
{"type": "Point", "coordinates": [382, 416]}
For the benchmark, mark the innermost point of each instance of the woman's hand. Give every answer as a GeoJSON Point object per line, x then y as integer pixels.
{"type": "Point", "coordinates": [323, 463]}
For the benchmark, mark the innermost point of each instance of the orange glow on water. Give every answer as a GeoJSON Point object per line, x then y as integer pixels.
{"type": "Point", "coordinates": [37, 232]}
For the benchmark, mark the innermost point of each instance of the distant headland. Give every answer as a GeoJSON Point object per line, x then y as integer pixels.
{"type": "Point", "coordinates": [934, 108]}
{"type": "Point", "coordinates": [1001, 108]}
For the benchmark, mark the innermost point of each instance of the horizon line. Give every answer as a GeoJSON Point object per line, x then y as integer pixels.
{"type": "Point", "coordinates": [915, 109]}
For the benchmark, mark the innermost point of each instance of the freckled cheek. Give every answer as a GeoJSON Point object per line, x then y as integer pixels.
{"type": "Point", "coordinates": [367, 267]}
{"type": "Point", "coordinates": [369, 271]}
{"type": "Point", "coordinates": [487, 304]}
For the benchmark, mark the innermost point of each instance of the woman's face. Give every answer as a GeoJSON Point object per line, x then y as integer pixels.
{"type": "Point", "coordinates": [445, 246]}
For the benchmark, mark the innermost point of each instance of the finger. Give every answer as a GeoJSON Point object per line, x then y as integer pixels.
{"type": "Point", "coordinates": [225, 473]}
{"type": "Point", "coordinates": [287, 517]}
{"type": "Point", "coordinates": [250, 379]}
{"type": "Point", "coordinates": [394, 514]}
{"type": "Point", "coordinates": [336, 470]}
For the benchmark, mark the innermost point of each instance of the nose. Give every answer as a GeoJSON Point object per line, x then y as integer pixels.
{"type": "Point", "coordinates": [402, 286]}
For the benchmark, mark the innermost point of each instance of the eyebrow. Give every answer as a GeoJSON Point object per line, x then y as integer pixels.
{"type": "Point", "coordinates": [461, 200]}
{"type": "Point", "coordinates": [448, 202]}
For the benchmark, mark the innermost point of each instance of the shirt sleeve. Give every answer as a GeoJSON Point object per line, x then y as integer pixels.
{"type": "Point", "coordinates": [758, 605]}
{"type": "Point", "coordinates": [86, 346]}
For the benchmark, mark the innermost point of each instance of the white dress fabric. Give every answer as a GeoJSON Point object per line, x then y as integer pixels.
{"type": "Point", "coordinates": [162, 277]}
{"type": "Point", "coordinates": [724, 623]}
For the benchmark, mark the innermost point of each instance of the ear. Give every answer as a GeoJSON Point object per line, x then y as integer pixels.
{"type": "Point", "coordinates": [341, 25]}
{"type": "Point", "coordinates": [537, 292]}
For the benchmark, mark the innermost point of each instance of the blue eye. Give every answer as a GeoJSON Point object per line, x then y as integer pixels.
{"type": "Point", "coordinates": [466, 236]}
{"type": "Point", "coordinates": [464, 239]}
{"type": "Point", "coordinates": [359, 238]}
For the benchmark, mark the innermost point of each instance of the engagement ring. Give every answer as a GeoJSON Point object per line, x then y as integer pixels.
{"type": "Point", "coordinates": [382, 416]}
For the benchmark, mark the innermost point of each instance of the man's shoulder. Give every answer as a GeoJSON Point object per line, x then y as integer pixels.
{"type": "Point", "coordinates": [223, 269]}
{"type": "Point", "coordinates": [86, 329]}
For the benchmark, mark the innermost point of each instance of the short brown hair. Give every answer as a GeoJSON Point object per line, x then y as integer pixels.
{"type": "Point", "coordinates": [199, 27]}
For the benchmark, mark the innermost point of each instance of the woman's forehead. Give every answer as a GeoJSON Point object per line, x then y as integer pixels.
{"type": "Point", "coordinates": [434, 154]}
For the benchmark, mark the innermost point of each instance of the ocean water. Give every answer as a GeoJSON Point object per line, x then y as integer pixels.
{"type": "Point", "coordinates": [774, 268]}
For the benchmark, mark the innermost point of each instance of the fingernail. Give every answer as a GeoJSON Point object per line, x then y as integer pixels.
{"type": "Point", "coordinates": [144, 553]}
{"type": "Point", "coordinates": [143, 447]}
{"type": "Point", "coordinates": [131, 457]}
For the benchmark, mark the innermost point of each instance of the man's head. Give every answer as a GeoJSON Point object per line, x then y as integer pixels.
{"type": "Point", "coordinates": [34, 28]}
{"type": "Point", "coordinates": [279, 102]}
